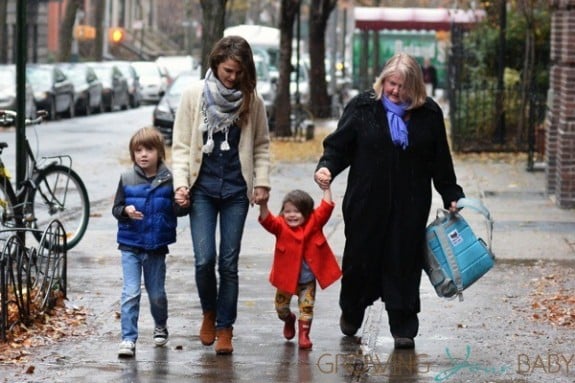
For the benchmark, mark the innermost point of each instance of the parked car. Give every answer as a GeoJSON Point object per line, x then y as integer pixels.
{"type": "Point", "coordinates": [8, 91]}
{"type": "Point", "coordinates": [134, 86]}
{"type": "Point", "coordinates": [165, 110]}
{"type": "Point", "coordinates": [88, 87]}
{"type": "Point", "coordinates": [53, 90]}
{"type": "Point", "coordinates": [152, 84]}
{"type": "Point", "coordinates": [115, 86]}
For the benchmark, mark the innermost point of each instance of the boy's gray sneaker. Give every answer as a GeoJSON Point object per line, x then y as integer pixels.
{"type": "Point", "coordinates": [127, 349]}
{"type": "Point", "coordinates": [160, 336]}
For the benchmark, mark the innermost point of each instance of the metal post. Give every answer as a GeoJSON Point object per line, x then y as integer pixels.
{"type": "Point", "coordinates": [21, 54]}
{"type": "Point", "coordinates": [332, 70]}
{"type": "Point", "coordinates": [343, 42]}
{"type": "Point", "coordinates": [499, 136]}
{"type": "Point", "coordinates": [105, 53]}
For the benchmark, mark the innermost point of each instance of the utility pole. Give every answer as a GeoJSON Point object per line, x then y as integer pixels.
{"type": "Point", "coordinates": [105, 28]}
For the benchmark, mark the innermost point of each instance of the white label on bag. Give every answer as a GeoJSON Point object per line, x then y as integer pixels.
{"type": "Point", "coordinates": [455, 238]}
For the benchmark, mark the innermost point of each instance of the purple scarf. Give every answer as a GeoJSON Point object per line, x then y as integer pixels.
{"type": "Point", "coordinates": [397, 127]}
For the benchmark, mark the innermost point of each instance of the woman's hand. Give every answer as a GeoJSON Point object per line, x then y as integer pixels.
{"type": "Point", "coordinates": [323, 178]}
{"type": "Point", "coordinates": [182, 196]}
{"type": "Point", "coordinates": [261, 194]}
{"type": "Point", "coordinates": [453, 207]}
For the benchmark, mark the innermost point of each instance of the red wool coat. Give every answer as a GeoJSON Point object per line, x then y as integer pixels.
{"type": "Point", "coordinates": [296, 244]}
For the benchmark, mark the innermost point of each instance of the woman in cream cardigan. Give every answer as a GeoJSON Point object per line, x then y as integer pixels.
{"type": "Point", "coordinates": [220, 161]}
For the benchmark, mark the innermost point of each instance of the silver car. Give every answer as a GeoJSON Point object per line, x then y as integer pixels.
{"type": "Point", "coordinates": [152, 84]}
{"type": "Point", "coordinates": [8, 91]}
{"type": "Point", "coordinates": [53, 90]}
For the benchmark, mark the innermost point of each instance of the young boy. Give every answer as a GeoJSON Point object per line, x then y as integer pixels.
{"type": "Point", "coordinates": [147, 219]}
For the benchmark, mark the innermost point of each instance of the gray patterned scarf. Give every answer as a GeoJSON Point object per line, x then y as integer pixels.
{"type": "Point", "coordinates": [220, 108]}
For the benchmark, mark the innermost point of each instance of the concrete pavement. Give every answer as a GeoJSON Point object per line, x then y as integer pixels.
{"type": "Point", "coordinates": [492, 336]}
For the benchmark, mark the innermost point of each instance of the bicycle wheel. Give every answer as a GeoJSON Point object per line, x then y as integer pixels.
{"type": "Point", "coordinates": [60, 194]}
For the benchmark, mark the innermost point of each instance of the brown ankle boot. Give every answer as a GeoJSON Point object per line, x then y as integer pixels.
{"type": "Point", "coordinates": [208, 329]}
{"type": "Point", "coordinates": [304, 342]}
{"type": "Point", "coordinates": [289, 326]}
{"type": "Point", "coordinates": [224, 341]}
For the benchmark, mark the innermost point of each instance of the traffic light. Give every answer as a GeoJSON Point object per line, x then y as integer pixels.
{"type": "Point", "coordinates": [116, 35]}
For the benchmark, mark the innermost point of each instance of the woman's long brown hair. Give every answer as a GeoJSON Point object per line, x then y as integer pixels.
{"type": "Point", "coordinates": [238, 49]}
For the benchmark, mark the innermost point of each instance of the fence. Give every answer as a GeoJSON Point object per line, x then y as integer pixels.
{"type": "Point", "coordinates": [479, 124]}
{"type": "Point", "coordinates": [31, 278]}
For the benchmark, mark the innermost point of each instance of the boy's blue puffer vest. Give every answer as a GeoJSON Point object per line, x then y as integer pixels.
{"type": "Point", "coordinates": [155, 201]}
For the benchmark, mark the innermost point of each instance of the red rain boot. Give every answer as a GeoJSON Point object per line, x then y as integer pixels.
{"type": "Point", "coordinates": [304, 328]}
{"type": "Point", "coordinates": [289, 326]}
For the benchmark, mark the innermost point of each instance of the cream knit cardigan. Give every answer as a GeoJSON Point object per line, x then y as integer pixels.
{"type": "Point", "coordinates": [187, 142]}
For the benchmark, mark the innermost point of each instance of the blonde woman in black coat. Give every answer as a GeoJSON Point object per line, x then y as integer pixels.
{"type": "Point", "coordinates": [393, 140]}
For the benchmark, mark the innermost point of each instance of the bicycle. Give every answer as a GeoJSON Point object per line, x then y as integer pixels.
{"type": "Point", "coordinates": [302, 122]}
{"type": "Point", "coordinates": [51, 190]}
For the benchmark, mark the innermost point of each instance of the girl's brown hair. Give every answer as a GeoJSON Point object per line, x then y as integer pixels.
{"type": "Point", "coordinates": [301, 200]}
{"type": "Point", "coordinates": [149, 138]}
{"type": "Point", "coordinates": [238, 49]}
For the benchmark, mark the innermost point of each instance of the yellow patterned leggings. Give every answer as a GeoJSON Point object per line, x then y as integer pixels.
{"type": "Point", "coordinates": [306, 300]}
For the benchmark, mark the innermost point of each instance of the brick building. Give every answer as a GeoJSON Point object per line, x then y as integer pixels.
{"type": "Point", "coordinates": [560, 122]}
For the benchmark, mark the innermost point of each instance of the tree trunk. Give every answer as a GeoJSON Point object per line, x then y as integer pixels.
{"type": "Point", "coordinates": [282, 105]}
{"type": "Point", "coordinates": [320, 10]}
{"type": "Point", "coordinates": [3, 32]}
{"type": "Point", "coordinates": [214, 14]}
{"type": "Point", "coordinates": [67, 31]}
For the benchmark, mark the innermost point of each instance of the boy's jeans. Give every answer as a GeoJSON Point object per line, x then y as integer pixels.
{"type": "Point", "coordinates": [222, 299]}
{"type": "Point", "coordinates": [154, 270]}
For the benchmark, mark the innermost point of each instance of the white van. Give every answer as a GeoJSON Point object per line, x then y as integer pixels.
{"type": "Point", "coordinates": [260, 37]}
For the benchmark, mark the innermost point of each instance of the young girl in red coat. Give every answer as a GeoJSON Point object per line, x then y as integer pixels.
{"type": "Point", "coordinates": [302, 256]}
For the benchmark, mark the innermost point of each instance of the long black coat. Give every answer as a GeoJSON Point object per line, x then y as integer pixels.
{"type": "Point", "coordinates": [388, 199]}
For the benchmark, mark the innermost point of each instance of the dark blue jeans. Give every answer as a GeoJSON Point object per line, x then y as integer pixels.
{"type": "Point", "coordinates": [232, 212]}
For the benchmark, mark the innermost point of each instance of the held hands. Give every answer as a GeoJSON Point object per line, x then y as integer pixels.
{"type": "Point", "coordinates": [132, 213]}
{"type": "Point", "coordinates": [182, 196]}
{"type": "Point", "coordinates": [323, 178]}
{"type": "Point", "coordinates": [261, 195]}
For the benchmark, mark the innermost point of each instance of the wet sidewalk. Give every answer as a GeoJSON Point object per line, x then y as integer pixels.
{"type": "Point", "coordinates": [491, 336]}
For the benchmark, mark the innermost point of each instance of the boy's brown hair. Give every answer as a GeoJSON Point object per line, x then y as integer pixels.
{"type": "Point", "coordinates": [149, 138]}
{"type": "Point", "coordinates": [301, 200]}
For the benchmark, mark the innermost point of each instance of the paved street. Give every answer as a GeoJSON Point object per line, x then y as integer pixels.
{"type": "Point", "coordinates": [492, 336]}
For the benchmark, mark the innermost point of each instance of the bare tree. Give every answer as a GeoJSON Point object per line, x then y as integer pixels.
{"type": "Point", "coordinates": [282, 106]}
{"type": "Point", "coordinates": [67, 31]}
{"type": "Point", "coordinates": [101, 33]}
{"type": "Point", "coordinates": [318, 17]}
{"type": "Point", "coordinates": [214, 14]}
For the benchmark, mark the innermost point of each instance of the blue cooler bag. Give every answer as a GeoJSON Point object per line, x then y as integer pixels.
{"type": "Point", "coordinates": [455, 257]}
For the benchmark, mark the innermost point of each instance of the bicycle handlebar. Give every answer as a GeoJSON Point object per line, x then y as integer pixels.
{"type": "Point", "coordinates": [8, 118]}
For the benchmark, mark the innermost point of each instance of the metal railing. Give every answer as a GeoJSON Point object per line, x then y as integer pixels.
{"type": "Point", "coordinates": [32, 279]}
{"type": "Point", "coordinates": [476, 126]}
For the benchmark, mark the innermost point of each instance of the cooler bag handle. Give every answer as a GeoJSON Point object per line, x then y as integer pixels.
{"type": "Point", "coordinates": [478, 206]}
